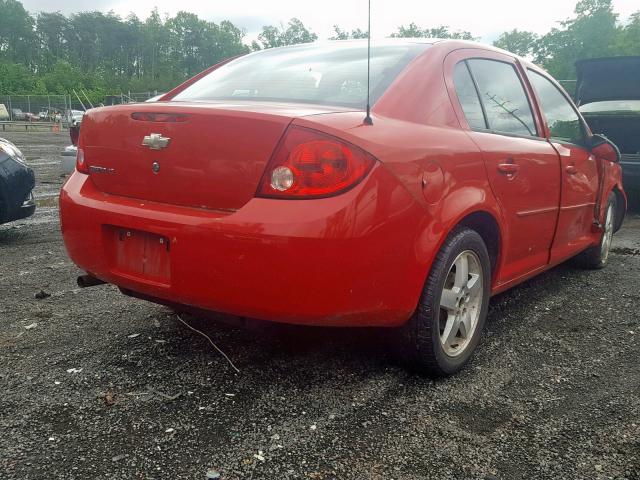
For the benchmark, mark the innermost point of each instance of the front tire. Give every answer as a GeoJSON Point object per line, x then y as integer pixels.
{"type": "Point", "coordinates": [443, 333]}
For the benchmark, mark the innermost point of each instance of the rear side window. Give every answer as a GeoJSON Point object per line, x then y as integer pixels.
{"type": "Point", "coordinates": [468, 96]}
{"type": "Point", "coordinates": [564, 123]}
{"type": "Point", "coordinates": [505, 101]}
{"type": "Point", "coordinates": [330, 74]}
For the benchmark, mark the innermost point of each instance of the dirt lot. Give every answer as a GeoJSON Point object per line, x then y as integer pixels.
{"type": "Point", "coordinates": [95, 385]}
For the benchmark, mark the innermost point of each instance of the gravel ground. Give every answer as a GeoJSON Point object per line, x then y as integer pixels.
{"type": "Point", "coordinates": [97, 385]}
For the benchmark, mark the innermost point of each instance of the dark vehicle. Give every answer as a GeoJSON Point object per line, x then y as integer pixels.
{"type": "Point", "coordinates": [16, 184]}
{"type": "Point", "coordinates": [608, 93]}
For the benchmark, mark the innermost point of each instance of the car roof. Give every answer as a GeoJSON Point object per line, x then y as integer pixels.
{"type": "Point", "coordinates": [363, 41]}
{"type": "Point", "coordinates": [446, 43]}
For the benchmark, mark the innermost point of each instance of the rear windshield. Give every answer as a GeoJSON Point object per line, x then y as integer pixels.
{"type": "Point", "coordinates": [330, 74]}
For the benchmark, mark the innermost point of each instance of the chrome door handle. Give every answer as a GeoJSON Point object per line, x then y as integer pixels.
{"type": "Point", "coordinates": [508, 168]}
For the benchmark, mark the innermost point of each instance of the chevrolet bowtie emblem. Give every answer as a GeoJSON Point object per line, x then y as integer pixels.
{"type": "Point", "coordinates": [156, 141]}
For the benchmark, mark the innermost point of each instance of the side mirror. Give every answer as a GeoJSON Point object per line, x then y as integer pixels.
{"type": "Point", "coordinates": [604, 148]}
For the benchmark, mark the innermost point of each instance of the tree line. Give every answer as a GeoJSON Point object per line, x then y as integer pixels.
{"type": "Point", "coordinates": [594, 31]}
{"type": "Point", "coordinates": [51, 53]}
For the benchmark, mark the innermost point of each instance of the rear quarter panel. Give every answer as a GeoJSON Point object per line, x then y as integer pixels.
{"type": "Point", "coordinates": [418, 138]}
{"type": "Point", "coordinates": [440, 167]}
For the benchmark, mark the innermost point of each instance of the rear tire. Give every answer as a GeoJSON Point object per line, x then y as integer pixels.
{"type": "Point", "coordinates": [442, 334]}
{"type": "Point", "coordinates": [596, 257]}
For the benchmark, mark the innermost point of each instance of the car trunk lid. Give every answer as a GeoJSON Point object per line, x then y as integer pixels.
{"type": "Point", "coordinates": [196, 154]}
{"type": "Point", "coordinates": [610, 78]}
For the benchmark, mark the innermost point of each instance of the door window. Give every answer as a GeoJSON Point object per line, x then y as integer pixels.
{"type": "Point", "coordinates": [564, 123]}
{"type": "Point", "coordinates": [505, 101]}
{"type": "Point", "coordinates": [468, 96]}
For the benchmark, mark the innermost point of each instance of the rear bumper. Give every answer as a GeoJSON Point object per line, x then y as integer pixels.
{"type": "Point", "coordinates": [343, 261]}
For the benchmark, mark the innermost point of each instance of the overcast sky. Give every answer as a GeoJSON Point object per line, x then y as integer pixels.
{"type": "Point", "coordinates": [486, 19]}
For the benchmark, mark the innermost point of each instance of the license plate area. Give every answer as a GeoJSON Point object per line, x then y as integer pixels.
{"type": "Point", "coordinates": [142, 255]}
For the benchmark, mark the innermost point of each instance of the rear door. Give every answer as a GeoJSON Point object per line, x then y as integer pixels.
{"type": "Point", "coordinates": [568, 134]}
{"type": "Point", "coordinates": [522, 167]}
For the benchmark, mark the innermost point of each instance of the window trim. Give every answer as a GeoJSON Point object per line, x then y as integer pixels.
{"type": "Point", "coordinates": [537, 135]}
{"type": "Point", "coordinates": [508, 134]}
{"type": "Point", "coordinates": [475, 89]}
{"type": "Point", "coordinates": [585, 129]}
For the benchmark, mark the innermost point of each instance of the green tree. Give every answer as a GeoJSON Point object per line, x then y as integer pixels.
{"type": "Point", "coordinates": [50, 32]}
{"type": "Point", "coordinates": [410, 31]}
{"type": "Point", "coordinates": [223, 41]}
{"type": "Point", "coordinates": [186, 32]}
{"type": "Point", "coordinates": [628, 42]}
{"type": "Point", "coordinates": [295, 33]}
{"type": "Point", "coordinates": [63, 78]}
{"type": "Point", "coordinates": [591, 33]}
{"type": "Point", "coordinates": [102, 52]}
{"type": "Point", "coordinates": [83, 39]}
{"type": "Point", "coordinates": [443, 32]}
{"type": "Point", "coordinates": [97, 51]}
{"type": "Point", "coordinates": [17, 39]}
{"type": "Point", "coordinates": [17, 79]}
{"type": "Point", "coordinates": [155, 51]}
{"type": "Point", "coordinates": [517, 41]}
{"type": "Point", "coordinates": [340, 34]}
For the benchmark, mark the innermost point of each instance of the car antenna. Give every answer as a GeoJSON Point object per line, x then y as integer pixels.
{"type": "Point", "coordinates": [368, 120]}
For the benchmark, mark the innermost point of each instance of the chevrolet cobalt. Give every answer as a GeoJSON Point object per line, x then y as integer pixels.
{"type": "Point", "coordinates": [258, 189]}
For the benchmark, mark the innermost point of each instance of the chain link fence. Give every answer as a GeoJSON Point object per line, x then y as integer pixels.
{"type": "Point", "coordinates": [59, 108]}
{"type": "Point", "coordinates": [140, 96]}
{"type": "Point", "coordinates": [30, 108]}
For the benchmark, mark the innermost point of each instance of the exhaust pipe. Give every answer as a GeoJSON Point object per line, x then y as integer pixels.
{"type": "Point", "coordinates": [86, 281]}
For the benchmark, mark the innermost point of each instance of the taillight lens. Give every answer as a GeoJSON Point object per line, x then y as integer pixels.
{"type": "Point", "coordinates": [311, 164]}
{"type": "Point", "coordinates": [81, 165]}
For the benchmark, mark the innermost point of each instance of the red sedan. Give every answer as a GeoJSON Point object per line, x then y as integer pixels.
{"type": "Point", "coordinates": [257, 189]}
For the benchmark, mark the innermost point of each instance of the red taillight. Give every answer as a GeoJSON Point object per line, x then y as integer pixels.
{"type": "Point", "coordinates": [311, 164]}
{"type": "Point", "coordinates": [81, 165]}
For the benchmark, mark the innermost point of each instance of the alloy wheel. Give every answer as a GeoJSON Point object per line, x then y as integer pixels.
{"type": "Point", "coordinates": [461, 303]}
{"type": "Point", "coordinates": [607, 235]}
